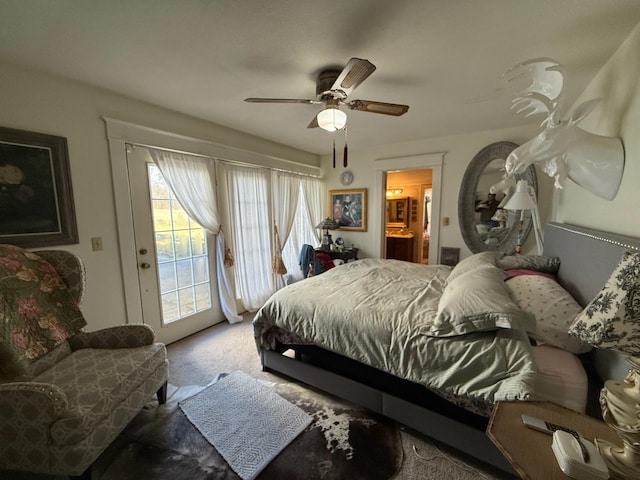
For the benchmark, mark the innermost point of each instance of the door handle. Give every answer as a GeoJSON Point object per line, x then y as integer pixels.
{"type": "Point", "coordinates": [145, 265]}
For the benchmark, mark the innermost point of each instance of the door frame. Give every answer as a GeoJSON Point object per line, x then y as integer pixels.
{"type": "Point", "coordinates": [121, 133]}
{"type": "Point", "coordinates": [431, 161]}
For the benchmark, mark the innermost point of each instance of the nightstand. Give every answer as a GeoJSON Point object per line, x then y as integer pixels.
{"type": "Point", "coordinates": [347, 255]}
{"type": "Point", "coordinates": [528, 450]}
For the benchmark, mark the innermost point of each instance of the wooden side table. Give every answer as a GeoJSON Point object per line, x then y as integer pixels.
{"type": "Point", "coordinates": [528, 450]}
{"type": "Point", "coordinates": [346, 255]}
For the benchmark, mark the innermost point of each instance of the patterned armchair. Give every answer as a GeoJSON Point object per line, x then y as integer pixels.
{"type": "Point", "coordinates": [65, 394]}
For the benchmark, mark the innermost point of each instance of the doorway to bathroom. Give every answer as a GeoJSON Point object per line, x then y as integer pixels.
{"type": "Point", "coordinates": [407, 214]}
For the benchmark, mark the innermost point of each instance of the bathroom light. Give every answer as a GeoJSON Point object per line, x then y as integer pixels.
{"type": "Point", "coordinates": [331, 119]}
{"type": "Point", "coordinates": [394, 191]}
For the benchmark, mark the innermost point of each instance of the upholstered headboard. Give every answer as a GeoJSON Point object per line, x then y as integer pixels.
{"type": "Point", "coordinates": [587, 259]}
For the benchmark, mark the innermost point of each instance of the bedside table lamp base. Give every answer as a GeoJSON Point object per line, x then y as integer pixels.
{"type": "Point", "coordinates": [326, 242]}
{"type": "Point", "coordinates": [618, 460]}
{"type": "Point", "coordinates": [620, 403]}
{"type": "Point", "coordinates": [326, 225]}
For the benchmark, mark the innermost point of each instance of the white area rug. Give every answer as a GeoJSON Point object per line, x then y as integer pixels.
{"type": "Point", "coordinates": [246, 422]}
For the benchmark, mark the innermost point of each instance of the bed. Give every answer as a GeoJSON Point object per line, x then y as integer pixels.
{"type": "Point", "coordinates": [376, 352]}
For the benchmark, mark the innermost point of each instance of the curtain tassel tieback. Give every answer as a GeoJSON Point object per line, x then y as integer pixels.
{"type": "Point", "coordinates": [277, 265]}
{"type": "Point", "coordinates": [228, 256]}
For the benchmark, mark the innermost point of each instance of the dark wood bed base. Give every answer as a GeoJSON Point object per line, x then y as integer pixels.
{"type": "Point", "coordinates": [588, 257]}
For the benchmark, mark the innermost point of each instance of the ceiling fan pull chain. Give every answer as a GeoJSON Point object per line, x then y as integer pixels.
{"type": "Point", "coordinates": [345, 160]}
{"type": "Point", "coordinates": [334, 152]}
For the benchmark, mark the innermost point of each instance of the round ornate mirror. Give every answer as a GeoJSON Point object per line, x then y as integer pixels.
{"type": "Point", "coordinates": [484, 225]}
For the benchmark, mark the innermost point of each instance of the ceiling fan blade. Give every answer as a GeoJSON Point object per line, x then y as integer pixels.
{"type": "Point", "coordinates": [283, 100]}
{"type": "Point", "coordinates": [353, 74]}
{"type": "Point", "coordinates": [313, 123]}
{"type": "Point", "coordinates": [394, 109]}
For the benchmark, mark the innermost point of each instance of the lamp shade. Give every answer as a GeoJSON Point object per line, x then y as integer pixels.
{"type": "Point", "coordinates": [328, 224]}
{"type": "Point", "coordinates": [611, 319]}
{"type": "Point", "coordinates": [521, 199]}
{"type": "Point", "coordinates": [331, 119]}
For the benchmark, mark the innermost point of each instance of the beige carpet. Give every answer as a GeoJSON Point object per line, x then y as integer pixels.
{"type": "Point", "coordinates": [226, 348]}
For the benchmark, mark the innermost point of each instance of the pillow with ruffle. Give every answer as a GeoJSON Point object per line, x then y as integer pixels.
{"type": "Point", "coordinates": [477, 260]}
{"type": "Point", "coordinates": [476, 301]}
{"type": "Point", "coordinates": [540, 263]}
{"type": "Point", "coordinates": [36, 310]}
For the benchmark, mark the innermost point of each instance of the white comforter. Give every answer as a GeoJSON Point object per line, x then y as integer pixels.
{"type": "Point", "coordinates": [380, 312]}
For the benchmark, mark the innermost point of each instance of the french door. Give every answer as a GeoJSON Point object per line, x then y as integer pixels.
{"type": "Point", "coordinates": [176, 257]}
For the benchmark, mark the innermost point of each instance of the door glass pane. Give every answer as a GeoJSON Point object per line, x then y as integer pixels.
{"type": "Point", "coordinates": [170, 311]}
{"type": "Point", "coordinates": [181, 252]}
{"type": "Point", "coordinates": [200, 270]}
{"type": "Point", "coordinates": [198, 243]}
{"type": "Point", "coordinates": [167, 274]}
{"type": "Point", "coordinates": [185, 277]}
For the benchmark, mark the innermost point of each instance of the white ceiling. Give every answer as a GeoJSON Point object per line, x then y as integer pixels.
{"type": "Point", "coordinates": [444, 58]}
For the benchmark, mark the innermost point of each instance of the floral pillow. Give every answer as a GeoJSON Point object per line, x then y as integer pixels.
{"type": "Point", "coordinates": [554, 308]}
{"type": "Point", "coordinates": [37, 312]}
{"type": "Point", "coordinates": [612, 319]}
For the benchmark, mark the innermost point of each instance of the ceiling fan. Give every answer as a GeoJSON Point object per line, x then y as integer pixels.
{"type": "Point", "coordinates": [332, 89]}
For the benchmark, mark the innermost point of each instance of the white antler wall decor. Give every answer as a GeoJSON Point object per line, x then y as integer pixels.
{"type": "Point", "coordinates": [594, 162]}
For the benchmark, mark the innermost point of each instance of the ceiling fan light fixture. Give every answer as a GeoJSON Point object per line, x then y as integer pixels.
{"type": "Point", "coordinates": [331, 119]}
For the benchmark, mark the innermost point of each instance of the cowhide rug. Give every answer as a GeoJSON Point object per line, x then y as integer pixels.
{"type": "Point", "coordinates": [343, 442]}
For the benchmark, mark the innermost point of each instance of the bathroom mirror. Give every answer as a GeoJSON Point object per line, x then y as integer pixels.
{"type": "Point", "coordinates": [398, 212]}
{"type": "Point", "coordinates": [483, 224]}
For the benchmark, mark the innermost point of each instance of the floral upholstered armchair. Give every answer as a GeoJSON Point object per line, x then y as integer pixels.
{"type": "Point", "coordinates": [65, 394]}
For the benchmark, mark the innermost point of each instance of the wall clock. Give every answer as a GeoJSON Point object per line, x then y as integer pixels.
{"type": "Point", "coordinates": [346, 178]}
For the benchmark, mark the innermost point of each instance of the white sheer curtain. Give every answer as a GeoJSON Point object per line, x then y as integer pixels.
{"type": "Point", "coordinates": [302, 232]}
{"type": "Point", "coordinates": [248, 200]}
{"type": "Point", "coordinates": [312, 191]}
{"type": "Point", "coordinates": [286, 193]}
{"type": "Point", "coordinates": [192, 181]}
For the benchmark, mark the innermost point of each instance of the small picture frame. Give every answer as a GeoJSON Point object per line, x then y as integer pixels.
{"type": "Point", "coordinates": [349, 208]}
{"type": "Point", "coordinates": [36, 198]}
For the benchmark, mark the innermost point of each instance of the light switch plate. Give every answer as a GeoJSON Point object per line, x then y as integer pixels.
{"type": "Point", "coordinates": [96, 244]}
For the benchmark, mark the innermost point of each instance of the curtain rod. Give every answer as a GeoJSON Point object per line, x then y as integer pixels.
{"type": "Point", "coordinates": [222, 160]}
{"type": "Point", "coordinates": [250, 165]}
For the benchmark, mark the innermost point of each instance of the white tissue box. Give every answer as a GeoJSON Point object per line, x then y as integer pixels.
{"type": "Point", "coordinates": [567, 451]}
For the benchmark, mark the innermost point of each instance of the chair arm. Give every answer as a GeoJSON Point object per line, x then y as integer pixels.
{"type": "Point", "coordinates": [32, 402]}
{"type": "Point", "coordinates": [27, 411]}
{"type": "Point", "coordinates": [121, 336]}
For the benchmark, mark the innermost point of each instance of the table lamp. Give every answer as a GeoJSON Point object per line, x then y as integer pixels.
{"type": "Point", "coordinates": [612, 321]}
{"type": "Point", "coordinates": [327, 224]}
{"type": "Point", "coordinates": [522, 199]}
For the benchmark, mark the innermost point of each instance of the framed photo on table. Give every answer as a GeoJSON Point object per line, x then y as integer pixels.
{"type": "Point", "coordinates": [349, 208]}
{"type": "Point", "coordinates": [36, 198]}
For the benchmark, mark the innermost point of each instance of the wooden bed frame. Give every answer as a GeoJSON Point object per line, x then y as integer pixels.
{"type": "Point", "coordinates": [587, 258]}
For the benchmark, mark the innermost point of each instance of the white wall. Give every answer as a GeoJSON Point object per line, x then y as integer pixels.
{"type": "Point", "coordinates": [41, 103]}
{"type": "Point", "coordinates": [617, 84]}
{"type": "Point", "coordinates": [618, 114]}
{"type": "Point", "coordinates": [459, 151]}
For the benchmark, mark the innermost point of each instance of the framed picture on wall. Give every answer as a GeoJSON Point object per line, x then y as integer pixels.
{"type": "Point", "coordinates": [36, 198]}
{"type": "Point", "coordinates": [349, 208]}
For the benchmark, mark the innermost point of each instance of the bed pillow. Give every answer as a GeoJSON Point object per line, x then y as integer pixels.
{"type": "Point", "coordinates": [611, 318]}
{"type": "Point", "coordinates": [539, 263]}
{"type": "Point", "coordinates": [478, 260]}
{"type": "Point", "coordinates": [515, 272]}
{"type": "Point", "coordinates": [475, 301]}
{"type": "Point", "coordinates": [554, 309]}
